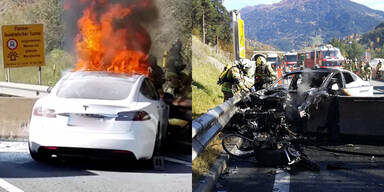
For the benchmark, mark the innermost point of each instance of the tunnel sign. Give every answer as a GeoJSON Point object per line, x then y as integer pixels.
{"type": "Point", "coordinates": [23, 45]}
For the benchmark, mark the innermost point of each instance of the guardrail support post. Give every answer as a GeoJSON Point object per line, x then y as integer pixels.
{"type": "Point", "coordinates": [9, 74]}
{"type": "Point", "coordinates": [39, 75]}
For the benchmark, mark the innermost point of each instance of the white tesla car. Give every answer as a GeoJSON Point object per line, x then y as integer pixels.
{"type": "Point", "coordinates": [99, 114]}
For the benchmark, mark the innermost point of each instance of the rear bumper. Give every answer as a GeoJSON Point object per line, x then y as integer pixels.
{"type": "Point", "coordinates": [83, 152]}
{"type": "Point", "coordinates": [140, 140]}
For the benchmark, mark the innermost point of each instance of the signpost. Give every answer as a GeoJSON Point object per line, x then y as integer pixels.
{"type": "Point", "coordinates": [241, 38]}
{"type": "Point", "coordinates": [238, 36]}
{"type": "Point", "coordinates": [23, 46]}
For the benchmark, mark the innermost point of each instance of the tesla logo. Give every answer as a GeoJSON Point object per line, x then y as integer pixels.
{"type": "Point", "coordinates": [85, 107]}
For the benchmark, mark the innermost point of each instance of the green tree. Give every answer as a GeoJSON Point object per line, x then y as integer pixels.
{"type": "Point", "coordinates": [339, 44]}
{"type": "Point", "coordinates": [355, 50]}
{"type": "Point", "coordinates": [212, 20]}
{"type": "Point", "coordinates": [50, 13]}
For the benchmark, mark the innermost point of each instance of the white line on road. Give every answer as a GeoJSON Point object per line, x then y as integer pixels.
{"type": "Point", "coordinates": [186, 163]}
{"type": "Point", "coordinates": [281, 181]}
{"type": "Point", "coordinates": [8, 187]}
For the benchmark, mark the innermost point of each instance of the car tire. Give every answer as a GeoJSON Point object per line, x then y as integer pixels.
{"type": "Point", "coordinates": [158, 141]}
{"type": "Point", "coordinates": [36, 155]}
{"type": "Point", "coordinates": [151, 161]}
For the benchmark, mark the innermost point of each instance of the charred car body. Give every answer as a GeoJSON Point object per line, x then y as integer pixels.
{"type": "Point", "coordinates": [275, 120]}
{"type": "Point", "coordinates": [307, 98]}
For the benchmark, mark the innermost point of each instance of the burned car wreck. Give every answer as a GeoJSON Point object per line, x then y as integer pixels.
{"type": "Point", "coordinates": [272, 124]}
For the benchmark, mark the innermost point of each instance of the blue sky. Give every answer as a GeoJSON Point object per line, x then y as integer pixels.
{"type": "Point", "coordinates": [238, 4]}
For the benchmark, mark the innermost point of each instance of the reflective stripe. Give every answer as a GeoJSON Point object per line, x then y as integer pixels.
{"type": "Point", "coordinates": [226, 89]}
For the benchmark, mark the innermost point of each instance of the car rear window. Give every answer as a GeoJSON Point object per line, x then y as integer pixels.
{"type": "Point", "coordinates": [95, 87]}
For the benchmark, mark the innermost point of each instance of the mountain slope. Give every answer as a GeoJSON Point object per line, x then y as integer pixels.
{"type": "Point", "coordinates": [294, 23]}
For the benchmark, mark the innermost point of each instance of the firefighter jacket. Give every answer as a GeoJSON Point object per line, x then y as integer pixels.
{"type": "Point", "coordinates": [378, 67]}
{"type": "Point", "coordinates": [264, 74]}
{"type": "Point", "coordinates": [234, 81]}
{"type": "Point", "coordinates": [368, 67]}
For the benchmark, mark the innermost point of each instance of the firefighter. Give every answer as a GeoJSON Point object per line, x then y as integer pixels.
{"type": "Point", "coordinates": [368, 71]}
{"type": "Point", "coordinates": [264, 74]}
{"type": "Point", "coordinates": [378, 67]}
{"type": "Point", "coordinates": [231, 80]}
{"type": "Point", "coordinates": [347, 64]}
{"type": "Point", "coordinates": [178, 77]}
{"type": "Point", "coordinates": [354, 66]}
{"type": "Point", "coordinates": [156, 74]}
{"type": "Point", "coordinates": [361, 70]}
{"type": "Point", "coordinates": [249, 76]}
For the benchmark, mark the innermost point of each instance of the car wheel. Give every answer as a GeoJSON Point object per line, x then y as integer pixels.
{"type": "Point", "coordinates": [36, 155]}
{"type": "Point", "coordinates": [157, 146]}
{"type": "Point", "coordinates": [153, 162]}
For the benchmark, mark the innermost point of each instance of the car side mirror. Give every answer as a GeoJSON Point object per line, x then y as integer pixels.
{"type": "Point", "coordinates": [335, 87]}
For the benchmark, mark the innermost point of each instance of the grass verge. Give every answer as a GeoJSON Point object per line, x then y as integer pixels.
{"type": "Point", "coordinates": [206, 94]}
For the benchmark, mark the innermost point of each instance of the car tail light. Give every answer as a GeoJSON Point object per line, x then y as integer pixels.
{"type": "Point", "coordinates": [38, 111]}
{"type": "Point", "coordinates": [132, 116]}
{"type": "Point", "coordinates": [122, 152]}
{"type": "Point", "coordinates": [51, 148]}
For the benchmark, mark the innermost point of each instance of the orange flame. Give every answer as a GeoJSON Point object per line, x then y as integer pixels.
{"type": "Point", "coordinates": [101, 46]}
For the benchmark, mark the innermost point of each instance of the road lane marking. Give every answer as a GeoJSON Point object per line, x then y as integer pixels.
{"type": "Point", "coordinates": [170, 159]}
{"type": "Point", "coordinates": [9, 187]}
{"type": "Point", "coordinates": [282, 179]}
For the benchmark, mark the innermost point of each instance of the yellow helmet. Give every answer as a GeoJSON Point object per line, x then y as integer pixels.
{"type": "Point", "coordinates": [261, 60]}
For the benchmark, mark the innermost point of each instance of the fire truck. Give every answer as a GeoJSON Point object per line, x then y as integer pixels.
{"type": "Point", "coordinates": [325, 56]}
{"type": "Point", "coordinates": [290, 59]}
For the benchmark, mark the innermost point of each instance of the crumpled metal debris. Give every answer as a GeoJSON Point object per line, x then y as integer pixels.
{"type": "Point", "coordinates": [272, 120]}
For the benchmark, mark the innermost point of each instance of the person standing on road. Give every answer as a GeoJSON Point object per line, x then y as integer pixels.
{"type": "Point", "coordinates": [378, 67]}
{"type": "Point", "coordinates": [264, 74]}
{"type": "Point", "coordinates": [354, 67]}
{"type": "Point", "coordinates": [347, 65]}
{"type": "Point", "coordinates": [368, 71]}
{"type": "Point", "coordinates": [178, 77]}
{"type": "Point", "coordinates": [361, 70]}
{"type": "Point", "coordinates": [231, 80]}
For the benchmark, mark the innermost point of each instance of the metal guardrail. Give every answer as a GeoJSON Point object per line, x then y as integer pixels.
{"type": "Point", "coordinates": [208, 125]}
{"type": "Point", "coordinates": [23, 90]}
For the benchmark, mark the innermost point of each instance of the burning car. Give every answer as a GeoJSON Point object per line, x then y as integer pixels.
{"type": "Point", "coordinates": [99, 114]}
{"type": "Point", "coordinates": [307, 97]}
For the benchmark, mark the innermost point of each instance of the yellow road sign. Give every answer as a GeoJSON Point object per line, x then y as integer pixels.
{"type": "Point", "coordinates": [241, 38]}
{"type": "Point", "coordinates": [23, 45]}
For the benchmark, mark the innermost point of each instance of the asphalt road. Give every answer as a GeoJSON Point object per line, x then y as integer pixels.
{"type": "Point", "coordinates": [354, 173]}
{"type": "Point", "coordinates": [18, 172]}
{"type": "Point", "coordinates": [338, 172]}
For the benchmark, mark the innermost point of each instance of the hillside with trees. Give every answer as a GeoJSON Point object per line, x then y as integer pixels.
{"type": "Point", "coordinates": [211, 22]}
{"type": "Point", "coordinates": [295, 24]}
{"type": "Point", "coordinates": [374, 41]}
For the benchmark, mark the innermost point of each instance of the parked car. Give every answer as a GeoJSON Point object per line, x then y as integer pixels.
{"type": "Point", "coordinates": [99, 114]}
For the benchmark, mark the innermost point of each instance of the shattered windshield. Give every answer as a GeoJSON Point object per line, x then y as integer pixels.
{"type": "Point", "coordinates": [302, 81]}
